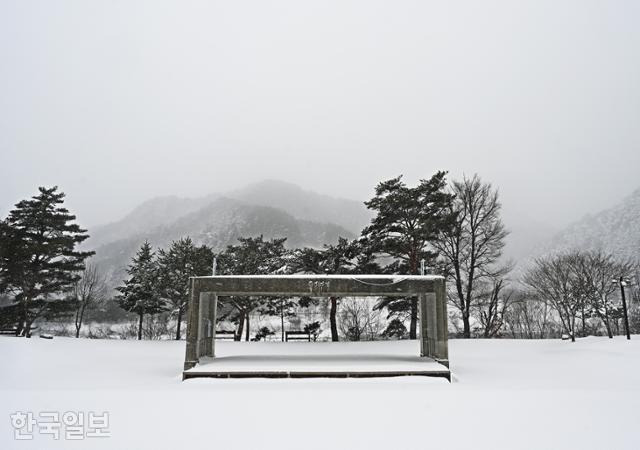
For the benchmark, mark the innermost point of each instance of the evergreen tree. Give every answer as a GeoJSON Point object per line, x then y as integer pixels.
{"type": "Point", "coordinates": [284, 307]}
{"type": "Point", "coordinates": [39, 262]}
{"type": "Point", "coordinates": [182, 260]}
{"type": "Point", "coordinates": [253, 256]}
{"type": "Point", "coordinates": [342, 258]}
{"type": "Point", "coordinates": [140, 292]}
{"type": "Point", "coordinates": [12, 261]}
{"type": "Point", "coordinates": [313, 329]}
{"type": "Point", "coordinates": [407, 222]}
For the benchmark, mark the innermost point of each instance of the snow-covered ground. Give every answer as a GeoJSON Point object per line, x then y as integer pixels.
{"type": "Point", "coordinates": [506, 395]}
{"type": "Point", "coordinates": [319, 357]}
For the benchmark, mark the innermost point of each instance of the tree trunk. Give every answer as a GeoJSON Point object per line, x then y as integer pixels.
{"type": "Point", "coordinates": [608, 326]}
{"type": "Point", "coordinates": [466, 325]}
{"type": "Point", "coordinates": [281, 320]}
{"type": "Point", "coordinates": [26, 332]}
{"type": "Point", "coordinates": [140, 326]}
{"type": "Point", "coordinates": [573, 329]}
{"type": "Point", "coordinates": [333, 311]}
{"type": "Point", "coordinates": [238, 336]}
{"type": "Point", "coordinates": [76, 323]}
{"type": "Point", "coordinates": [179, 323]}
{"type": "Point", "coordinates": [248, 330]}
{"type": "Point", "coordinates": [23, 320]}
{"type": "Point", "coordinates": [79, 318]}
{"type": "Point", "coordinates": [413, 327]}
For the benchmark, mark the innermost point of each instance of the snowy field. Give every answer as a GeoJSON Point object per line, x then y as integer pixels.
{"type": "Point", "coordinates": [506, 395]}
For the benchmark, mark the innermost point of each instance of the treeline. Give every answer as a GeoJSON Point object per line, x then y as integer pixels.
{"type": "Point", "coordinates": [584, 291]}
{"type": "Point", "coordinates": [449, 228]}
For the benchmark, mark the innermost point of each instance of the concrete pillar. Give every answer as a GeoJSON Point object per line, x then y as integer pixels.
{"type": "Point", "coordinates": [422, 321]}
{"type": "Point", "coordinates": [442, 338]}
{"type": "Point", "coordinates": [191, 353]}
{"type": "Point", "coordinates": [432, 323]}
{"type": "Point", "coordinates": [213, 311]}
{"type": "Point", "coordinates": [427, 314]}
{"type": "Point", "coordinates": [428, 324]}
{"type": "Point", "coordinates": [207, 324]}
{"type": "Point", "coordinates": [203, 325]}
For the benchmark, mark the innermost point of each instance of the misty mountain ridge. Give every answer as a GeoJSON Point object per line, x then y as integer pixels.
{"type": "Point", "coordinates": [157, 212]}
{"type": "Point", "coordinates": [279, 209]}
{"type": "Point", "coordinates": [615, 230]}
{"type": "Point", "coordinates": [305, 204]}
{"type": "Point", "coordinates": [218, 221]}
{"type": "Point", "coordinates": [290, 198]}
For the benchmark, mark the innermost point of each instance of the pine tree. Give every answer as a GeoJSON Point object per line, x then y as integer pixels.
{"type": "Point", "coordinates": [39, 262]}
{"type": "Point", "coordinates": [140, 292]}
{"type": "Point", "coordinates": [407, 222]}
{"type": "Point", "coordinates": [283, 307]}
{"type": "Point", "coordinates": [253, 256]}
{"type": "Point", "coordinates": [13, 259]}
{"type": "Point", "coordinates": [182, 260]}
{"type": "Point", "coordinates": [342, 258]}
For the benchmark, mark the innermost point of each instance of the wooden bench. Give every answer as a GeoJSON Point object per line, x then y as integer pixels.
{"type": "Point", "coordinates": [297, 336]}
{"type": "Point", "coordinates": [12, 331]}
{"type": "Point", "coordinates": [225, 335]}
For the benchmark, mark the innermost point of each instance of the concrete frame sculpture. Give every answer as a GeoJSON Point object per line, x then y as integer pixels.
{"type": "Point", "coordinates": [429, 289]}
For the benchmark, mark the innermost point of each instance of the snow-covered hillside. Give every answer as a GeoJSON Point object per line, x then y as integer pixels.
{"type": "Point", "coordinates": [616, 230]}
{"type": "Point", "coordinates": [289, 198]}
{"type": "Point", "coordinates": [270, 208]}
{"type": "Point", "coordinates": [506, 394]}
{"type": "Point", "coordinates": [218, 224]}
{"type": "Point", "coordinates": [305, 204]}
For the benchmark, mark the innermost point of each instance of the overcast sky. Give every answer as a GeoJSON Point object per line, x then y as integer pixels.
{"type": "Point", "coordinates": [120, 101]}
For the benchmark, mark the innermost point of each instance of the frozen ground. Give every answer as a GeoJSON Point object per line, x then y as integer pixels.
{"type": "Point", "coordinates": [506, 395]}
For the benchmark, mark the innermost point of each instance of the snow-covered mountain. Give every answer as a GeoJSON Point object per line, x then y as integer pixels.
{"type": "Point", "coordinates": [290, 198]}
{"type": "Point", "coordinates": [270, 208]}
{"type": "Point", "coordinates": [157, 212]}
{"type": "Point", "coordinates": [278, 209]}
{"type": "Point", "coordinates": [304, 204]}
{"type": "Point", "coordinates": [615, 230]}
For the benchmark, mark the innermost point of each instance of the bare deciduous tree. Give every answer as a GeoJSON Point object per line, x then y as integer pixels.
{"type": "Point", "coordinates": [359, 321]}
{"type": "Point", "coordinates": [472, 248]}
{"type": "Point", "coordinates": [597, 269]}
{"type": "Point", "coordinates": [579, 284]}
{"type": "Point", "coordinates": [556, 279]}
{"type": "Point", "coordinates": [492, 305]}
{"type": "Point", "coordinates": [528, 317]}
{"type": "Point", "coordinates": [89, 291]}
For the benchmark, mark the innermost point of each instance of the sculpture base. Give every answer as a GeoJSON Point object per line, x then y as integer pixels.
{"type": "Point", "coordinates": [317, 359]}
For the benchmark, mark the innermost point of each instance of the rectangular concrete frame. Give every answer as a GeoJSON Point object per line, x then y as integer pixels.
{"type": "Point", "coordinates": [430, 290]}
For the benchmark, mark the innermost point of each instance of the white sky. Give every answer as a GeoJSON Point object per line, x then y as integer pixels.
{"type": "Point", "coordinates": [120, 101]}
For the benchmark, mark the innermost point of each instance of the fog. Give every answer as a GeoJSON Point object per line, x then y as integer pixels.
{"type": "Point", "coordinates": [120, 101]}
